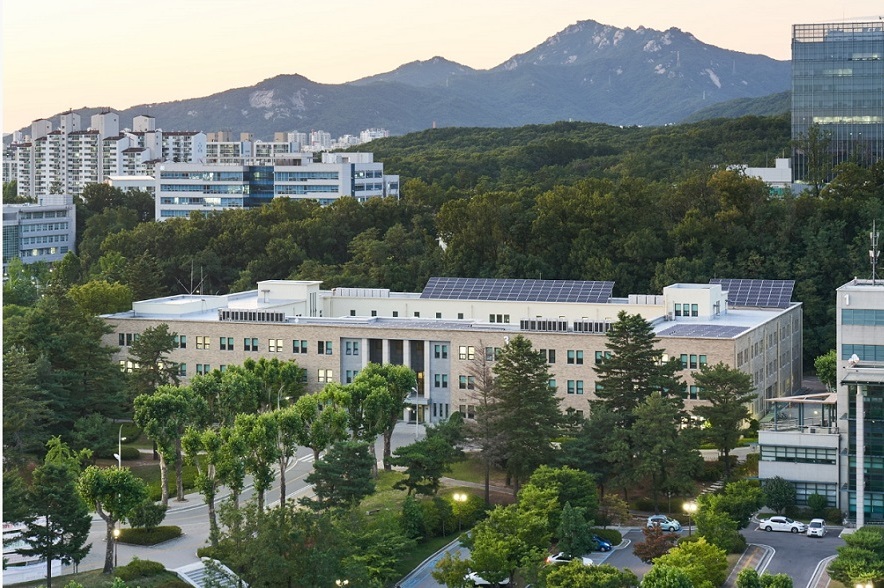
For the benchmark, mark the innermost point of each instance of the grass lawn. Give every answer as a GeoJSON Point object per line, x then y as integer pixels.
{"type": "Point", "coordinates": [95, 579]}
{"type": "Point", "coordinates": [472, 469]}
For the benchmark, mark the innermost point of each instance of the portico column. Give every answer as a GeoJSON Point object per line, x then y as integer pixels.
{"type": "Point", "coordinates": [365, 352]}
{"type": "Point", "coordinates": [385, 351]}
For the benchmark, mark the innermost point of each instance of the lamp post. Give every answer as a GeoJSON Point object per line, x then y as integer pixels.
{"type": "Point", "coordinates": [119, 453]}
{"type": "Point", "coordinates": [459, 498]}
{"type": "Point", "coordinates": [116, 541]}
{"type": "Point", "coordinates": [690, 508]}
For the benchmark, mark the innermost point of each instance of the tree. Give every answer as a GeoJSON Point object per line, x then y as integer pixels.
{"type": "Point", "coordinates": [25, 406]}
{"type": "Point", "coordinates": [324, 421]}
{"type": "Point", "coordinates": [826, 367]}
{"type": "Point", "coordinates": [59, 526]}
{"type": "Point", "coordinates": [570, 486]}
{"type": "Point", "coordinates": [665, 446]}
{"type": "Point", "coordinates": [401, 382]}
{"type": "Point", "coordinates": [510, 538]}
{"type": "Point", "coordinates": [150, 353]}
{"type": "Point", "coordinates": [205, 450]}
{"type": "Point", "coordinates": [633, 368]}
{"type": "Point", "coordinates": [657, 542]}
{"type": "Point", "coordinates": [661, 576]}
{"type": "Point", "coordinates": [101, 297]}
{"type": "Point", "coordinates": [521, 387]}
{"type": "Point", "coordinates": [861, 559]}
{"type": "Point", "coordinates": [728, 391]}
{"type": "Point", "coordinates": [577, 575]}
{"type": "Point", "coordinates": [94, 432]}
{"type": "Point", "coordinates": [289, 429]}
{"type": "Point", "coordinates": [705, 564]}
{"type": "Point", "coordinates": [164, 417]}
{"type": "Point", "coordinates": [425, 462]}
{"type": "Point", "coordinates": [342, 477]}
{"type": "Point", "coordinates": [740, 500]}
{"type": "Point", "coordinates": [814, 147]}
{"type": "Point", "coordinates": [779, 494]}
{"type": "Point", "coordinates": [481, 431]}
{"type": "Point", "coordinates": [716, 525]}
{"type": "Point", "coordinates": [749, 578]}
{"type": "Point", "coordinates": [15, 497]}
{"type": "Point", "coordinates": [574, 531]}
{"type": "Point", "coordinates": [281, 381]}
{"type": "Point", "coordinates": [113, 493]}
{"type": "Point", "coordinates": [590, 448]}
{"type": "Point", "coordinates": [258, 435]}
{"type": "Point", "coordinates": [613, 510]}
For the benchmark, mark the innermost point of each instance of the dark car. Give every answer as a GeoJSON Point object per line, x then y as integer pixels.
{"type": "Point", "coordinates": [601, 544]}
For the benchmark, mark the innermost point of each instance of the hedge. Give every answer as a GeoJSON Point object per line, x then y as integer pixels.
{"type": "Point", "coordinates": [139, 568]}
{"type": "Point", "coordinates": [149, 536]}
{"type": "Point", "coordinates": [612, 536]}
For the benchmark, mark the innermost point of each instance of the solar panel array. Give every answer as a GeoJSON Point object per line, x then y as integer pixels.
{"type": "Point", "coordinates": [518, 290]}
{"type": "Point", "coordinates": [702, 331]}
{"type": "Point", "coordinates": [757, 293]}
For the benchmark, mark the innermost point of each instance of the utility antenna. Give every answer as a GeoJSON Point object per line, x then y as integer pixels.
{"type": "Point", "coordinates": [874, 252]}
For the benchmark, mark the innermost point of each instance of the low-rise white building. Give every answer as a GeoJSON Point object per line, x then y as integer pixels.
{"type": "Point", "coordinates": [44, 231]}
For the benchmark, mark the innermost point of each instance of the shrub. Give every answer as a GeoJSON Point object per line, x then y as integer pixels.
{"type": "Point", "coordinates": [612, 536]}
{"type": "Point", "coordinates": [149, 536]}
{"type": "Point", "coordinates": [139, 568]}
{"type": "Point", "coordinates": [148, 515]}
{"type": "Point", "coordinates": [712, 471]}
{"type": "Point", "coordinates": [130, 453]}
{"type": "Point", "coordinates": [834, 516]}
{"type": "Point", "coordinates": [208, 551]}
{"type": "Point", "coordinates": [817, 503]}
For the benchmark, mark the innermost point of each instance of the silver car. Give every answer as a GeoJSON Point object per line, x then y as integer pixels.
{"type": "Point", "coordinates": [664, 523]}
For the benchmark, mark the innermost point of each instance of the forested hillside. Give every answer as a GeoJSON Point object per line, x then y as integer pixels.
{"type": "Point", "coordinates": [644, 207]}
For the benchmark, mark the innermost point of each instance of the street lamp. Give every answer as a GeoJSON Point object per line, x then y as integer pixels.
{"type": "Point", "coordinates": [119, 454]}
{"type": "Point", "coordinates": [459, 498]}
{"type": "Point", "coordinates": [690, 508]}
{"type": "Point", "coordinates": [409, 410]}
{"type": "Point", "coordinates": [116, 540]}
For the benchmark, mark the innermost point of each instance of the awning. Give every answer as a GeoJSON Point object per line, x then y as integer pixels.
{"type": "Point", "coordinates": [864, 376]}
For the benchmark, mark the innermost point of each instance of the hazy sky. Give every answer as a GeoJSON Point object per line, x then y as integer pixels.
{"type": "Point", "coordinates": [60, 54]}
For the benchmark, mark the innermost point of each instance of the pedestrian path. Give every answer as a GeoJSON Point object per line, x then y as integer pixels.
{"type": "Point", "coordinates": [756, 557]}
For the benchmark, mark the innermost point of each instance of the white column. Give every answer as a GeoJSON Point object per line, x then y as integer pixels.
{"type": "Point", "coordinates": [365, 352]}
{"type": "Point", "coordinates": [385, 351]}
{"type": "Point", "coordinates": [427, 383]}
{"type": "Point", "coordinates": [406, 353]}
{"type": "Point", "coordinates": [860, 457]}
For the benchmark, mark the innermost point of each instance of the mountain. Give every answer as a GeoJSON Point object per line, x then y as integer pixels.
{"type": "Point", "coordinates": [588, 72]}
{"type": "Point", "coordinates": [772, 105]}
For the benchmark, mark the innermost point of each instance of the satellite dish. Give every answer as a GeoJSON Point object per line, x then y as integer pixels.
{"type": "Point", "coordinates": [853, 361]}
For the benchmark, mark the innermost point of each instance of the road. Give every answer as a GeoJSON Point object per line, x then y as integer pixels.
{"type": "Point", "coordinates": [192, 514]}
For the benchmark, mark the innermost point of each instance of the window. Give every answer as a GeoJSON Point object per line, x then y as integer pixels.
{"type": "Point", "coordinates": [374, 313]}
{"type": "Point", "coordinates": [127, 366]}
{"type": "Point", "coordinates": [552, 383]}
{"type": "Point", "coordinates": [693, 362]}
{"type": "Point", "coordinates": [417, 315]}
{"type": "Point", "coordinates": [491, 353]}
{"type": "Point", "coordinates": [440, 351]}
{"type": "Point", "coordinates": [324, 376]}
{"type": "Point", "coordinates": [349, 375]}
{"type": "Point", "coordinates": [250, 344]}
{"type": "Point", "coordinates": [395, 313]}
{"type": "Point", "coordinates": [826, 455]}
{"type": "Point", "coordinates": [460, 316]}
{"type": "Point", "coordinates": [222, 368]}
{"type": "Point", "coordinates": [702, 361]}
{"type": "Point", "coordinates": [203, 343]}
{"type": "Point", "coordinates": [575, 356]}
{"type": "Point", "coordinates": [601, 356]}
{"type": "Point", "coordinates": [352, 312]}
{"type": "Point", "coordinates": [677, 309]}
{"type": "Point", "coordinates": [575, 386]}
{"type": "Point", "coordinates": [299, 346]}
{"type": "Point", "coordinates": [498, 318]}
{"type": "Point", "coordinates": [438, 315]}
{"type": "Point", "coordinates": [549, 355]}
{"type": "Point", "coordinates": [274, 345]}
{"type": "Point", "coordinates": [440, 380]}
{"type": "Point", "coordinates": [225, 344]}
{"type": "Point", "coordinates": [466, 352]}
{"type": "Point", "coordinates": [692, 393]}
{"type": "Point", "coordinates": [181, 341]}
{"type": "Point", "coordinates": [182, 370]}
{"type": "Point", "coordinates": [351, 347]}
{"type": "Point", "coordinates": [203, 369]}
{"type": "Point", "coordinates": [324, 347]}
{"type": "Point", "coordinates": [122, 339]}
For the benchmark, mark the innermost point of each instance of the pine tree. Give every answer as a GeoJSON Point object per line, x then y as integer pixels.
{"type": "Point", "coordinates": [524, 409]}
{"type": "Point", "coordinates": [60, 524]}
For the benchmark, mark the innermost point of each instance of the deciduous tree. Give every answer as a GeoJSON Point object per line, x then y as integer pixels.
{"type": "Point", "coordinates": [704, 563]}
{"type": "Point", "coordinates": [779, 493]}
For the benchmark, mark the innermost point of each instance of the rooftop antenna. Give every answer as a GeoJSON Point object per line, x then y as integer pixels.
{"type": "Point", "coordinates": [874, 252]}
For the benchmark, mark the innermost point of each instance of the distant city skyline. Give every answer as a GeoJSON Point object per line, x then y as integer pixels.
{"type": "Point", "coordinates": [117, 53]}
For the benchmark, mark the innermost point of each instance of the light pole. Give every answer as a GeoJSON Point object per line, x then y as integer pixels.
{"type": "Point", "coordinates": [690, 508]}
{"type": "Point", "coordinates": [459, 498]}
{"type": "Point", "coordinates": [116, 541]}
{"type": "Point", "coordinates": [119, 453]}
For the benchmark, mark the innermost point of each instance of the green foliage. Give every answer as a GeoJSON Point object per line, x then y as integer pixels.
{"type": "Point", "coordinates": [826, 367]}
{"type": "Point", "coordinates": [438, 516]}
{"type": "Point", "coordinates": [817, 503]}
{"type": "Point", "coordinates": [717, 526]}
{"type": "Point", "coordinates": [95, 432]}
{"type": "Point", "coordinates": [139, 568]}
{"type": "Point", "coordinates": [748, 578]}
{"type": "Point", "coordinates": [25, 406]}
{"type": "Point", "coordinates": [612, 536]}
{"type": "Point", "coordinates": [130, 453]}
{"type": "Point", "coordinates": [776, 581]}
{"type": "Point", "coordinates": [661, 576]}
{"type": "Point", "coordinates": [148, 515]}
{"type": "Point", "coordinates": [101, 297]}
{"type": "Point", "coordinates": [656, 543]}
{"type": "Point", "coordinates": [704, 563]}
{"type": "Point", "coordinates": [740, 500]}
{"type": "Point", "coordinates": [153, 536]}
{"type": "Point", "coordinates": [577, 575]}
{"type": "Point", "coordinates": [861, 559]}
{"type": "Point", "coordinates": [779, 494]}
{"type": "Point", "coordinates": [834, 516]}
{"type": "Point", "coordinates": [412, 520]}
{"type": "Point", "coordinates": [15, 503]}
{"type": "Point", "coordinates": [571, 486]}
{"type": "Point", "coordinates": [573, 532]}
{"type": "Point", "coordinates": [342, 477]}
{"type": "Point", "coordinates": [425, 462]}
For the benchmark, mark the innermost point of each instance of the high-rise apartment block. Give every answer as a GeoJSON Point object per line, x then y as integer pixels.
{"type": "Point", "coordinates": [838, 84]}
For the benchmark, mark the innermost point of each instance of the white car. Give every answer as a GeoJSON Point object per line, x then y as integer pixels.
{"type": "Point", "coordinates": [782, 524]}
{"type": "Point", "coordinates": [816, 528]}
{"type": "Point", "coordinates": [664, 522]}
{"type": "Point", "coordinates": [563, 558]}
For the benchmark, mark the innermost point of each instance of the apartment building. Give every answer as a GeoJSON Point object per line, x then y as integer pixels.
{"type": "Point", "coordinates": [444, 330]}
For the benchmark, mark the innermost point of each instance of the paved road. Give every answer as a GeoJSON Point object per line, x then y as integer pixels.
{"type": "Point", "coordinates": [192, 515]}
{"type": "Point", "coordinates": [796, 555]}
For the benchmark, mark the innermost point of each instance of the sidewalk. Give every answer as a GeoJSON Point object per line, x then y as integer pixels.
{"type": "Point", "coordinates": [753, 558]}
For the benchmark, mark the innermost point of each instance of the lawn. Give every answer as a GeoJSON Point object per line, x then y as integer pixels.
{"type": "Point", "coordinates": [95, 579]}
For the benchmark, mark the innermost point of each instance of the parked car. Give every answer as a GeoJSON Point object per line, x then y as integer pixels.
{"type": "Point", "coordinates": [563, 558]}
{"type": "Point", "coordinates": [782, 524]}
{"type": "Point", "coordinates": [664, 522]}
{"type": "Point", "coordinates": [816, 528]}
{"type": "Point", "coordinates": [478, 580]}
{"type": "Point", "coordinates": [601, 544]}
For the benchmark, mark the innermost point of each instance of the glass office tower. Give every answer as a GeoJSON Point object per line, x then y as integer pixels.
{"type": "Point", "coordinates": [838, 84]}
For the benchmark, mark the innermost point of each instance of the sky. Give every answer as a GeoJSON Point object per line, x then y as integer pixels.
{"type": "Point", "coordinates": [63, 54]}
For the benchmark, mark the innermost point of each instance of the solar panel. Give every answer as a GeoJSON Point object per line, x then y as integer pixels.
{"type": "Point", "coordinates": [518, 290]}
{"type": "Point", "coordinates": [702, 331]}
{"type": "Point", "coordinates": [757, 293]}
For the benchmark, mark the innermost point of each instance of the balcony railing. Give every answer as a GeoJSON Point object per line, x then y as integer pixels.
{"type": "Point", "coordinates": [811, 426]}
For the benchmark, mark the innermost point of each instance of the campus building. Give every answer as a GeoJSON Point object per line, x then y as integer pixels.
{"type": "Point", "coordinates": [44, 231]}
{"type": "Point", "coordinates": [443, 331]}
{"type": "Point", "coordinates": [838, 84]}
{"type": "Point", "coordinates": [183, 188]}
{"type": "Point", "coordinates": [832, 443]}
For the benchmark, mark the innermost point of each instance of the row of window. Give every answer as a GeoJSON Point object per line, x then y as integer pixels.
{"type": "Point", "coordinates": [687, 309]}
{"type": "Point", "coordinates": [826, 455]}
{"type": "Point", "coordinates": [251, 344]}
{"type": "Point", "coordinates": [864, 352]}
{"type": "Point", "coordinates": [863, 317]}
{"type": "Point", "coordinates": [40, 227]}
